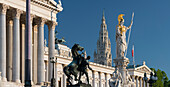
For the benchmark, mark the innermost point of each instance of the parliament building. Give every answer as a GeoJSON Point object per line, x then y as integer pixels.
{"type": "Point", "coordinates": [43, 12]}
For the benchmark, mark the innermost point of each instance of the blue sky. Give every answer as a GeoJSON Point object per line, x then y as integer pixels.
{"type": "Point", "coordinates": [80, 21]}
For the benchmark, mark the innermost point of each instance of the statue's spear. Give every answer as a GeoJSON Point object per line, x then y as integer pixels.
{"type": "Point", "coordinates": [129, 33]}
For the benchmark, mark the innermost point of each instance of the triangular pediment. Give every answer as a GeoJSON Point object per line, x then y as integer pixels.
{"type": "Point", "coordinates": [144, 68]}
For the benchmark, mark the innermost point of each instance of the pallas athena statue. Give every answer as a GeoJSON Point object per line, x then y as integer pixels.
{"type": "Point", "coordinates": [121, 44]}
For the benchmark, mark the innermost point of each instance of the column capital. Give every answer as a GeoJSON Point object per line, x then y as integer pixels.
{"type": "Point", "coordinates": [93, 71]}
{"type": "Point", "coordinates": [3, 8]}
{"type": "Point", "coordinates": [52, 25]}
{"type": "Point", "coordinates": [9, 21]}
{"type": "Point", "coordinates": [16, 13]}
{"type": "Point", "coordinates": [41, 21]}
{"type": "Point", "coordinates": [137, 77]}
{"type": "Point", "coordinates": [32, 16]}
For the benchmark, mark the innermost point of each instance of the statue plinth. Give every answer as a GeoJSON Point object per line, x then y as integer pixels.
{"type": "Point", "coordinates": [121, 62]}
{"type": "Point", "coordinates": [80, 85]}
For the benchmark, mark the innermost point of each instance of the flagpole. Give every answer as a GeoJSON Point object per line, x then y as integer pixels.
{"type": "Point", "coordinates": [28, 46]}
{"type": "Point", "coordinates": [129, 35]}
{"type": "Point", "coordinates": [133, 49]}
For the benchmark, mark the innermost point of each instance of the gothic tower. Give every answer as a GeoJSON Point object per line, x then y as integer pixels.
{"type": "Point", "coordinates": [103, 54]}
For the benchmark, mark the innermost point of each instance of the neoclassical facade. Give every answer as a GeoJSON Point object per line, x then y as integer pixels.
{"type": "Point", "coordinates": [12, 38]}
{"type": "Point", "coordinates": [12, 48]}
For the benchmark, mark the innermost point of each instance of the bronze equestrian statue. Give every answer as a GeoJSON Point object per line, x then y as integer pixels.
{"type": "Point", "coordinates": [78, 65]}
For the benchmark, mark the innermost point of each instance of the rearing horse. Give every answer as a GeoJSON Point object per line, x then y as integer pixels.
{"type": "Point", "coordinates": [71, 69]}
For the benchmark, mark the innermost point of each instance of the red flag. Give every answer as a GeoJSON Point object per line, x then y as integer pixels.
{"type": "Point", "coordinates": [133, 51]}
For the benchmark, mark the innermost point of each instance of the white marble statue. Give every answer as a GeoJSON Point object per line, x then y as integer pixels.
{"type": "Point", "coordinates": [116, 80]}
{"type": "Point", "coordinates": [59, 6]}
{"type": "Point", "coordinates": [121, 45]}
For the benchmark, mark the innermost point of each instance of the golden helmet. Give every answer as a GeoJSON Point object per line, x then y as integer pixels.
{"type": "Point", "coordinates": [120, 18]}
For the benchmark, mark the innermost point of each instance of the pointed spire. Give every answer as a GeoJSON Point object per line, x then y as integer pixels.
{"type": "Point", "coordinates": [103, 18]}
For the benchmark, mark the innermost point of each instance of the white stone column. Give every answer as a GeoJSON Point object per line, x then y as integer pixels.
{"type": "Point", "coordinates": [140, 82]}
{"type": "Point", "coordinates": [9, 49]}
{"type": "Point", "coordinates": [64, 79]}
{"type": "Point", "coordinates": [51, 45]}
{"type": "Point", "coordinates": [0, 76]}
{"type": "Point", "coordinates": [35, 50]}
{"type": "Point", "coordinates": [107, 80]}
{"type": "Point", "coordinates": [16, 46]}
{"type": "Point", "coordinates": [100, 80]}
{"type": "Point", "coordinates": [31, 54]}
{"type": "Point", "coordinates": [46, 73]}
{"type": "Point", "coordinates": [93, 75]}
{"type": "Point", "coordinates": [56, 75]}
{"type": "Point", "coordinates": [23, 53]}
{"type": "Point", "coordinates": [144, 84]}
{"type": "Point", "coordinates": [3, 9]}
{"type": "Point", "coordinates": [137, 82]}
{"type": "Point", "coordinates": [40, 66]}
{"type": "Point", "coordinates": [133, 80]}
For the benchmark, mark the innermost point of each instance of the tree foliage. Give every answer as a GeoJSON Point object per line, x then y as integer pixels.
{"type": "Point", "coordinates": [163, 80]}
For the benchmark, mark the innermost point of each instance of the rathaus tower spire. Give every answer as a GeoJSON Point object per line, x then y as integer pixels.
{"type": "Point", "coordinates": [103, 54]}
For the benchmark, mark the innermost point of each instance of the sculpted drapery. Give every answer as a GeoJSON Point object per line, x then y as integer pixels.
{"type": "Point", "coordinates": [121, 44]}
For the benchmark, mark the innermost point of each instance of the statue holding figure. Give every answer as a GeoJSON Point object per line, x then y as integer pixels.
{"type": "Point", "coordinates": [78, 65]}
{"type": "Point", "coordinates": [83, 69]}
{"type": "Point", "coordinates": [121, 44]}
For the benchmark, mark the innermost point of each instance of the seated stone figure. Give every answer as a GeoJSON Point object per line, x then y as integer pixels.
{"type": "Point", "coordinates": [83, 68]}
{"type": "Point", "coordinates": [116, 80]}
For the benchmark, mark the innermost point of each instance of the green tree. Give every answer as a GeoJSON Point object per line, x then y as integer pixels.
{"type": "Point", "coordinates": [162, 79]}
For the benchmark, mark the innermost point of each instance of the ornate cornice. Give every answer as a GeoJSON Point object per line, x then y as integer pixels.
{"type": "Point", "coordinates": [3, 8]}
{"type": "Point", "coordinates": [49, 4]}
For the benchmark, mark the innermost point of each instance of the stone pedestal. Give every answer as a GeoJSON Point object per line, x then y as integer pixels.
{"type": "Point", "coordinates": [80, 85]}
{"type": "Point", "coordinates": [121, 64]}
{"type": "Point", "coordinates": [121, 74]}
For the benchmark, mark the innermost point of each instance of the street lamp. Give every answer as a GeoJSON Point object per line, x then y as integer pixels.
{"type": "Point", "coordinates": [53, 60]}
{"type": "Point", "coordinates": [153, 79]}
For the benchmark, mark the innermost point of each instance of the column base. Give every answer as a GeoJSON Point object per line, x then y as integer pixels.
{"type": "Point", "coordinates": [4, 79]}
{"type": "Point", "coordinates": [18, 81]}
{"type": "Point", "coordinates": [41, 83]}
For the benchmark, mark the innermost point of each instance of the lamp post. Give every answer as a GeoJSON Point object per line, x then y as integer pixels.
{"type": "Point", "coordinates": [53, 60]}
{"type": "Point", "coordinates": [153, 79]}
